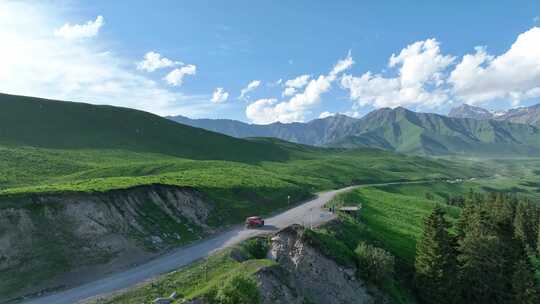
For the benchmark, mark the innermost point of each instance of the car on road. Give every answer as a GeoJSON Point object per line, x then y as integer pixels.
{"type": "Point", "coordinates": [254, 222]}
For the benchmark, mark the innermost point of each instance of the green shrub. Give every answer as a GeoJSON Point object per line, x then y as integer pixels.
{"type": "Point", "coordinates": [375, 264]}
{"type": "Point", "coordinates": [257, 247]}
{"type": "Point", "coordinates": [330, 247]}
{"type": "Point", "coordinates": [238, 289]}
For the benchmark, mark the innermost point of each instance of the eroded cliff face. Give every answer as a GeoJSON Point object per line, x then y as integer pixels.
{"type": "Point", "coordinates": [305, 275]}
{"type": "Point", "coordinates": [51, 241]}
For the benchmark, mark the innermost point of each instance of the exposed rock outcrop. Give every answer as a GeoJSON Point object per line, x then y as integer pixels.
{"type": "Point", "coordinates": [47, 236]}
{"type": "Point", "coordinates": [305, 275]}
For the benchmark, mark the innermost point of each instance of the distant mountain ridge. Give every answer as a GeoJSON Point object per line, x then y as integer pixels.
{"type": "Point", "coordinates": [406, 131]}
{"type": "Point", "coordinates": [524, 115]}
{"type": "Point", "coordinates": [27, 121]}
{"type": "Point", "coordinates": [473, 112]}
{"type": "Point", "coordinates": [399, 130]}
{"type": "Point", "coordinates": [317, 132]}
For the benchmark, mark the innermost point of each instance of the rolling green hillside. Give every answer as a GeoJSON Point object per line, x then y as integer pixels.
{"type": "Point", "coordinates": [36, 122]}
{"type": "Point", "coordinates": [56, 147]}
{"type": "Point", "coordinates": [405, 131]}
{"type": "Point", "coordinates": [50, 146]}
{"type": "Point", "coordinates": [59, 157]}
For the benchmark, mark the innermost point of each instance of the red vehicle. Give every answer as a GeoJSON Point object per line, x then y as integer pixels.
{"type": "Point", "coordinates": [254, 222]}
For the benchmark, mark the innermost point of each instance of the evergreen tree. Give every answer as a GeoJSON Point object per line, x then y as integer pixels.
{"type": "Point", "coordinates": [534, 222]}
{"type": "Point", "coordinates": [501, 211]}
{"type": "Point", "coordinates": [496, 235]}
{"type": "Point", "coordinates": [523, 225]}
{"type": "Point", "coordinates": [470, 196]}
{"type": "Point", "coordinates": [435, 260]}
{"type": "Point", "coordinates": [481, 270]}
{"type": "Point", "coordinates": [464, 219]}
{"type": "Point", "coordinates": [482, 275]}
{"type": "Point", "coordinates": [538, 241]}
{"type": "Point", "coordinates": [524, 288]}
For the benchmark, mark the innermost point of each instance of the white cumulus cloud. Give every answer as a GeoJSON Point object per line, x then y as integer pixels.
{"type": "Point", "coordinates": [288, 92]}
{"type": "Point", "coordinates": [341, 66]}
{"type": "Point", "coordinates": [250, 87]}
{"type": "Point", "coordinates": [176, 76]}
{"type": "Point", "coordinates": [421, 68]}
{"type": "Point", "coordinates": [293, 85]}
{"type": "Point", "coordinates": [326, 114]}
{"type": "Point", "coordinates": [78, 31]}
{"type": "Point", "coordinates": [298, 82]}
{"type": "Point", "coordinates": [76, 70]}
{"type": "Point", "coordinates": [219, 95]}
{"type": "Point", "coordinates": [428, 79]}
{"type": "Point", "coordinates": [514, 75]}
{"type": "Point", "coordinates": [269, 110]}
{"type": "Point", "coordinates": [421, 62]}
{"type": "Point", "coordinates": [153, 61]}
{"type": "Point", "coordinates": [261, 111]}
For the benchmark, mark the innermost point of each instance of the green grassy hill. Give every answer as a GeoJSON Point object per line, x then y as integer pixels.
{"type": "Point", "coordinates": [52, 148]}
{"type": "Point", "coordinates": [36, 122]}
{"type": "Point", "coordinates": [58, 147]}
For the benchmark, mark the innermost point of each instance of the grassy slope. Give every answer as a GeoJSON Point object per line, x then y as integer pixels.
{"type": "Point", "coordinates": [192, 281]}
{"type": "Point", "coordinates": [27, 121]}
{"type": "Point", "coordinates": [53, 146]}
{"type": "Point", "coordinates": [38, 159]}
{"type": "Point", "coordinates": [392, 218]}
{"type": "Point", "coordinates": [394, 215]}
{"type": "Point", "coordinates": [238, 189]}
{"type": "Point", "coordinates": [29, 169]}
{"type": "Point", "coordinates": [57, 147]}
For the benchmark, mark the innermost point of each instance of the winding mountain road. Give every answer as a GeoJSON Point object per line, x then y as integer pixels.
{"type": "Point", "coordinates": [308, 214]}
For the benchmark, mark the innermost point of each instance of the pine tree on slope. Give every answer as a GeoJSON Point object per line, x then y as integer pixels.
{"type": "Point", "coordinates": [524, 288]}
{"type": "Point", "coordinates": [435, 261]}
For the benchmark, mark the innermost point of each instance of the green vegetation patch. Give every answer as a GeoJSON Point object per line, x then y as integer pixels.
{"type": "Point", "coordinates": [330, 246]}
{"type": "Point", "coordinates": [393, 219]}
{"type": "Point", "coordinates": [199, 279]}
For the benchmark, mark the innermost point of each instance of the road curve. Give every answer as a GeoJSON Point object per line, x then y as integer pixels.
{"type": "Point", "coordinates": [308, 214]}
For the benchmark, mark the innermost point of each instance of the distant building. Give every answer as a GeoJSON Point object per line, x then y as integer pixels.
{"type": "Point", "coordinates": [351, 210]}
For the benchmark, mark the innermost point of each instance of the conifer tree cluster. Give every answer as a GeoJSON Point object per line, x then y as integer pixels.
{"type": "Point", "coordinates": [487, 256]}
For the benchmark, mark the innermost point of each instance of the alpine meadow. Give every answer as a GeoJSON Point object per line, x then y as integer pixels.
{"type": "Point", "coordinates": [258, 153]}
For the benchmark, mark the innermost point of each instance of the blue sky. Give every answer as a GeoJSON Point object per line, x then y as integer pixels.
{"type": "Point", "coordinates": [205, 52]}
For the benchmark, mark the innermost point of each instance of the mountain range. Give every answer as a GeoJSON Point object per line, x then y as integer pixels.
{"type": "Point", "coordinates": [524, 115]}
{"type": "Point", "coordinates": [68, 125]}
{"type": "Point", "coordinates": [402, 130]}
{"type": "Point", "coordinates": [318, 132]}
